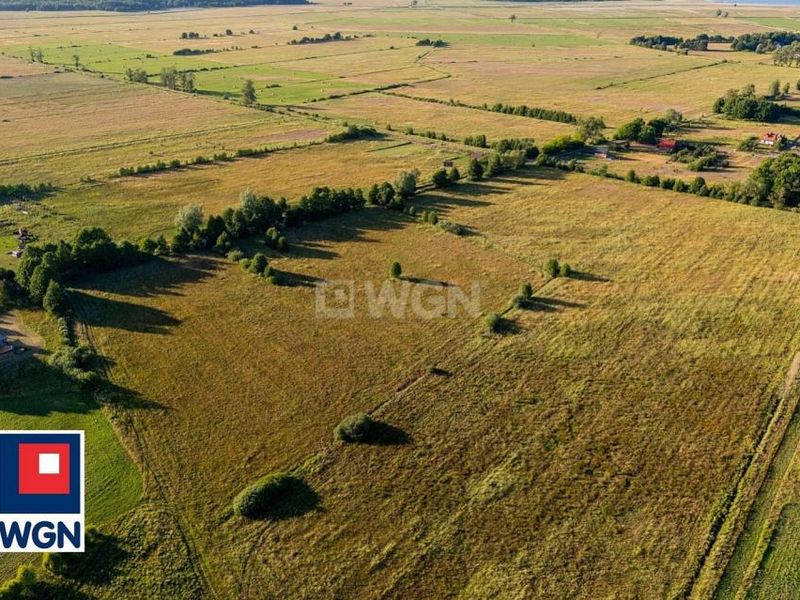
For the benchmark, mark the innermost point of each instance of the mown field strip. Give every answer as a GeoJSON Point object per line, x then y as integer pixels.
{"type": "Point", "coordinates": [736, 515]}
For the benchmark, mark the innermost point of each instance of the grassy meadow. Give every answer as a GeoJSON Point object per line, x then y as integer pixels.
{"type": "Point", "coordinates": [631, 433]}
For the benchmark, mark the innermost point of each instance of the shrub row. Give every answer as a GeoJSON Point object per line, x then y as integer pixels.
{"type": "Point", "coordinates": [533, 112]}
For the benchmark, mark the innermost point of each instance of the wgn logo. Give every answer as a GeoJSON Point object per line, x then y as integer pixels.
{"type": "Point", "coordinates": [41, 491]}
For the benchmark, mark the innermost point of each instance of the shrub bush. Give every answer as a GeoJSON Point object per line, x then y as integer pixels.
{"type": "Point", "coordinates": [359, 428]}
{"type": "Point", "coordinates": [256, 499]}
{"type": "Point", "coordinates": [395, 270]}
{"type": "Point", "coordinates": [551, 268]}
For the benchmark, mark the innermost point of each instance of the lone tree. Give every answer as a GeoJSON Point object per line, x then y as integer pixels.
{"type": "Point", "coordinates": [395, 270]}
{"type": "Point", "coordinates": [189, 218]}
{"type": "Point", "coordinates": [248, 93]}
{"type": "Point", "coordinates": [77, 60]}
{"type": "Point", "coordinates": [406, 183]}
{"type": "Point", "coordinates": [475, 170]}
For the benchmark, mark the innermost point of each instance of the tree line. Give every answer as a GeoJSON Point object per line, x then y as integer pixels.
{"type": "Point", "coordinates": [132, 5]}
{"type": "Point", "coordinates": [667, 42]}
{"type": "Point", "coordinates": [22, 191]}
{"type": "Point", "coordinates": [533, 112]}
{"type": "Point", "coordinates": [764, 41]}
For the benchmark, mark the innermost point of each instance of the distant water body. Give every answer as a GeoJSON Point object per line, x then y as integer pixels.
{"type": "Point", "coordinates": [767, 2]}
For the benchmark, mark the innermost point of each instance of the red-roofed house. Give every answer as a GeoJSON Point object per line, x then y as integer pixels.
{"type": "Point", "coordinates": [668, 144]}
{"type": "Point", "coordinates": [770, 139]}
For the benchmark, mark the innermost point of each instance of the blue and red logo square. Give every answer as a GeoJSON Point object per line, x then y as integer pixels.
{"type": "Point", "coordinates": [41, 489]}
{"type": "Point", "coordinates": [40, 473]}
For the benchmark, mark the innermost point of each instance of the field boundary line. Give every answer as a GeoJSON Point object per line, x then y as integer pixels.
{"type": "Point", "coordinates": [722, 539]}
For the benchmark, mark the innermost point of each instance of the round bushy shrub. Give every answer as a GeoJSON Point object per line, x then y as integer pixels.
{"type": "Point", "coordinates": [551, 268]}
{"type": "Point", "coordinates": [564, 270]}
{"type": "Point", "coordinates": [494, 322]}
{"type": "Point", "coordinates": [355, 429]}
{"type": "Point", "coordinates": [395, 270]}
{"type": "Point", "coordinates": [257, 498]}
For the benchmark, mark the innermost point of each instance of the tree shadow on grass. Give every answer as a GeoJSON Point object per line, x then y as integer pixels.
{"type": "Point", "coordinates": [298, 500]}
{"type": "Point", "coordinates": [383, 434]}
{"type": "Point", "coordinates": [98, 311]}
{"type": "Point", "coordinates": [541, 304]}
{"type": "Point", "coordinates": [157, 277]}
{"type": "Point", "coordinates": [584, 276]}
{"type": "Point", "coordinates": [288, 279]}
{"type": "Point", "coordinates": [425, 281]}
{"type": "Point", "coordinates": [99, 564]}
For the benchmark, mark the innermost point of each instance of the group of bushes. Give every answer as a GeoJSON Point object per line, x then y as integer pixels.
{"type": "Point", "coordinates": [24, 191]}
{"type": "Point", "coordinates": [434, 43]}
{"type": "Point", "coordinates": [443, 178]}
{"type": "Point", "coordinates": [553, 268]}
{"type": "Point", "coordinates": [562, 144]}
{"type": "Point", "coordinates": [328, 37]}
{"type": "Point", "coordinates": [353, 132]}
{"type": "Point", "coordinates": [258, 265]}
{"type": "Point", "coordinates": [699, 157]}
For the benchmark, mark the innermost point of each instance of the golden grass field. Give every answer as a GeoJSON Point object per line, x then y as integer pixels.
{"type": "Point", "coordinates": [596, 416]}
{"type": "Point", "coordinates": [590, 452]}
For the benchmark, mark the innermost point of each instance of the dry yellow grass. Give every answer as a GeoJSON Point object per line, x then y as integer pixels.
{"type": "Point", "coordinates": [78, 126]}
{"type": "Point", "coordinates": [616, 416]}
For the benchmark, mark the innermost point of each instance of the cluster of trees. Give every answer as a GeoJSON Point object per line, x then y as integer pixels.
{"type": "Point", "coordinates": [776, 181]}
{"type": "Point", "coordinates": [434, 43]}
{"type": "Point", "coordinates": [131, 5]}
{"type": "Point", "coordinates": [648, 132]}
{"type": "Point", "coordinates": [700, 157]}
{"type": "Point", "coordinates": [353, 132]}
{"type": "Point", "coordinates": [665, 42]}
{"type": "Point", "coordinates": [190, 35]}
{"type": "Point", "coordinates": [135, 75]}
{"type": "Point", "coordinates": [324, 203]}
{"type": "Point", "coordinates": [92, 250]}
{"type": "Point", "coordinates": [328, 37]}
{"type": "Point", "coordinates": [787, 56]}
{"type": "Point", "coordinates": [173, 79]}
{"type": "Point", "coordinates": [765, 41]}
{"type": "Point", "coordinates": [23, 191]}
{"type": "Point", "coordinates": [746, 105]}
